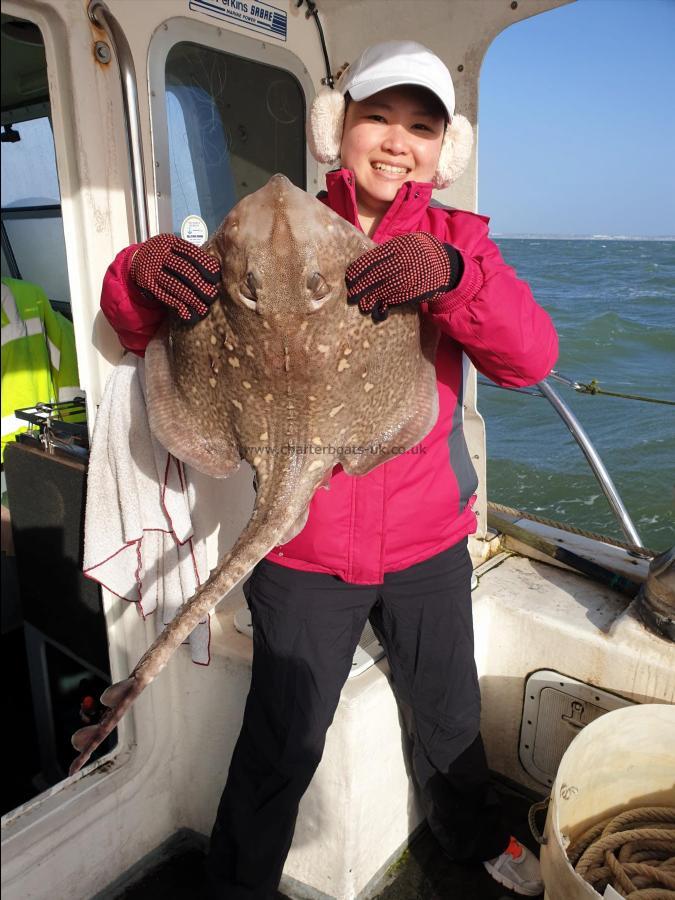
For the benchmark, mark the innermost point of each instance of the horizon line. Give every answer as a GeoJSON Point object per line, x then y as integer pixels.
{"type": "Point", "coordinates": [582, 237]}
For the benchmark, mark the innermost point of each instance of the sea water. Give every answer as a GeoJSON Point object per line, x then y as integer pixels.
{"type": "Point", "coordinates": [613, 303]}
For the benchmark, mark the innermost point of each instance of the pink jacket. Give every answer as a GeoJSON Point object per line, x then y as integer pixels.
{"type": "Point", "coordinates": [419, 503]}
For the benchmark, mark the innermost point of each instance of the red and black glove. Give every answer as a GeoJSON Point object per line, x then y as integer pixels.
{"type": "Point", "coordinates": [406, 269]}
{"type": "Point", "coordinates": [178, 274]}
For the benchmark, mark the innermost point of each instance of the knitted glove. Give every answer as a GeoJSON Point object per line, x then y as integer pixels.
{"type": "Point", "coordinates": [178, 274]}
{"type": "Point", "coordinates": [406, 269]}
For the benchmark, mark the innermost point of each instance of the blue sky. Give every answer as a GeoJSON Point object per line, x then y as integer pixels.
{"type": "Point", "coordinates": [577, 121]}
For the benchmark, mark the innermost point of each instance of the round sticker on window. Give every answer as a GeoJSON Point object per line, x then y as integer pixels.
{"type": "Point", "coordinates": [194, 230]}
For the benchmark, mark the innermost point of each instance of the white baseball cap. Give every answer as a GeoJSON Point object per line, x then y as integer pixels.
{"type": "Point", "coordinates": [394, 63]}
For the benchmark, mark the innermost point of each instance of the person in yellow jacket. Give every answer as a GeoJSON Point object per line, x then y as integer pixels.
{"type": "Point", "coordinates": [39, 363]}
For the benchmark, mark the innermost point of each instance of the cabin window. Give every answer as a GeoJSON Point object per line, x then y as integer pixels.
{"type": "Point", "coordinates": [54, 637]}
{"type": "Point", "coordinates": [31, 209]}
{"type": "Point", "coordinates": [29, 165]}
{"type": "Point", "coordinates": [233, 123]}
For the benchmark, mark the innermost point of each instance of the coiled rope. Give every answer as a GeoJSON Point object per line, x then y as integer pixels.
{"type": "Point", "coordinates": [634, 852]}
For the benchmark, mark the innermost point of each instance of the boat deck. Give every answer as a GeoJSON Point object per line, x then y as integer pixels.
{"type": "Point", "coordinates": [421, 873]}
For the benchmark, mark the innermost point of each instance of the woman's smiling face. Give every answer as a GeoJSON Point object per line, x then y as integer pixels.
{"type": "Point", "coordinates": [390, 138]}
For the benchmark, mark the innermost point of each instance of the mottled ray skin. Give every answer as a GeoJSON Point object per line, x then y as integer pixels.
{"type": "Point", "coordinates": [281, 359]}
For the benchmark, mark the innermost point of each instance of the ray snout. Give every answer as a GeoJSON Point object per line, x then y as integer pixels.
{"type": "Point", "coordinates": [286, 195]}
{"type": "Point", "coordinates": [279, 181]}
{"type": "Point", "coordinates": [286, 246]}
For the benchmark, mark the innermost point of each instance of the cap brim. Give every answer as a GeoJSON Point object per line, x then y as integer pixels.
{"type": "Point", "coordinates": [366, 89]}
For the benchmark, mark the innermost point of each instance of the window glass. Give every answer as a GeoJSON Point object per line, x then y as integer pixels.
{"type": "Point", "coordinates": [184, 196]}
{"type": "Point", "coordinates": [43, 228]}
{"type": "Point", "coordinates": [31, 208]}
{"type": "Point", "coordinates": [29, 166]}
{"type": "Point", "coordinates": [233, 123]}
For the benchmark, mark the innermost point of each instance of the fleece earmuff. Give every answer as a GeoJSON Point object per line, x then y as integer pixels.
{"type": "Point", "coordinates": [324, 136]}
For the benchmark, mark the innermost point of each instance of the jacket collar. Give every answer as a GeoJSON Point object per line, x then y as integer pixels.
{"type": "Point", "coordinates": [403, 216]}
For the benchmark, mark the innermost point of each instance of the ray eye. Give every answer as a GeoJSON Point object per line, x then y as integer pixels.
{"type": "Point", "coordinates": [250, 286]}
{"type": "Point", "coordinates": [317, 286]}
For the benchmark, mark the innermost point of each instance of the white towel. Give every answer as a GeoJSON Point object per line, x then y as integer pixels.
{"type": "Point", "coordinates": [139, 539]}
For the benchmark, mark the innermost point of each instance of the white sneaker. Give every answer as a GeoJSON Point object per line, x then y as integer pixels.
{"type": "Point", "coordinates": [517, 869]}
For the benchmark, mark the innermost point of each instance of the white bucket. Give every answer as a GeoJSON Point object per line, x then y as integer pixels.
{"type": "Point", "coordinates": [624, 759]}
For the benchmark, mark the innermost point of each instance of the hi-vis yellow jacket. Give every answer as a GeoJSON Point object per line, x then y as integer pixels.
{"type": "Point", "coordinates": [39, 364]}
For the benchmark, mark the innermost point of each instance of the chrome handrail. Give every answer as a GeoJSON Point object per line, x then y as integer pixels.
{"type": "Point", "coordinates": [101, 16]}
{"type": "Point", "coordinates": [579, 434]}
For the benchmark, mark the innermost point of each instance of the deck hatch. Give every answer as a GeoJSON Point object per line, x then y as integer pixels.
{"type": "Point", "coordinates": [555, 709]}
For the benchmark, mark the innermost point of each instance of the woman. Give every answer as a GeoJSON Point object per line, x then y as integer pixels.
{"type": "Point", "coordinates": [390, 546]}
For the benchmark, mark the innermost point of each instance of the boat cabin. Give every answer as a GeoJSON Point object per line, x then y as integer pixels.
{"type": "Point", "coordinates": [123, 119]}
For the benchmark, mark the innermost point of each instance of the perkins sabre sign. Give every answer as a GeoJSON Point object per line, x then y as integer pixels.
{"type": "Point", "coordinates": [251, 14]}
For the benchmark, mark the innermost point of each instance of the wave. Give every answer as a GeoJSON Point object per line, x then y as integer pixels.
{"type": "Point", "coordinates": [575, 499]}
{"type": "Point", "coordinates": [609, 327]}
{"type": "Point", "coordinates": [615, 316]}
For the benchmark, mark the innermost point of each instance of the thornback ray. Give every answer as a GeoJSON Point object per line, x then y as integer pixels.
{"type": "Point", "coordinates": [286, 375]}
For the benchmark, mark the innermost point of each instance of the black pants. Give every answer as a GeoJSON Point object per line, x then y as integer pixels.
{"type": "Point", "coordinates": [306, 628]}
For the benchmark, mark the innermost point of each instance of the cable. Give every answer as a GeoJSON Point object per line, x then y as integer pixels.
{"type": "Point", "coordinates": [314, 12]}
{"type": "Point", "coordinates": [578, 386]}
{"type": "Point", "coordinates": [593, 388]}
{"type": "Point", "coordinates": [531, 392]}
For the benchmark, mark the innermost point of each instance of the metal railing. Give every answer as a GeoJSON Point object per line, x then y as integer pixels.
{"type": "Point", "coordinates": [544, 389]}
{"type": "Point", "coordinates": [593, 457]}
{"type": "Point", "coordinates": [101, 16]}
